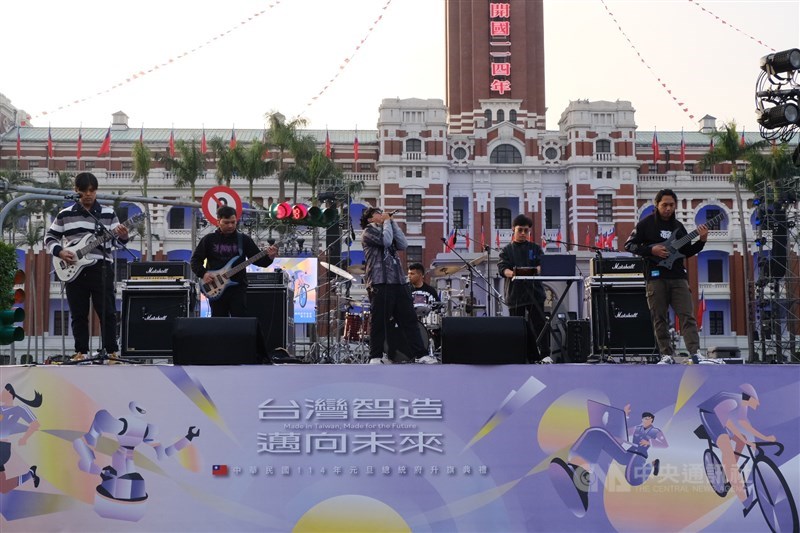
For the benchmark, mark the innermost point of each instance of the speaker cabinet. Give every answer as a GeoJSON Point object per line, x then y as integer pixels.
{"type": "Point", "coordinates": [629, 320]}
{"type": "Point", "coordinates": [484, 340]}
{"type": "Point", "coordinates": [147, 319]}
{"type": "Point", "coordinates": [218, 341]}
{"type": "Point", "coordinates": [273, 306]}
{"type": "Point", "coordinates": [579, 344]}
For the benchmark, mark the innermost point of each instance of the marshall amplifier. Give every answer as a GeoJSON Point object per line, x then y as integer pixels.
{"type": "Point", "coordinates": [159, 270]}
{"type": "Point", "coordinates": [279, 278]}
{"type": "Point", "coordinates": [628, 267]}
{"type": "Point", "coordinates": [148, 315]}
{"type": "Point", "coordinates": [630, 329]}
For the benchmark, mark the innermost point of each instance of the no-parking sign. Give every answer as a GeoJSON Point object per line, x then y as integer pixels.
{"type": "Point", "coordinates": [216, 197]}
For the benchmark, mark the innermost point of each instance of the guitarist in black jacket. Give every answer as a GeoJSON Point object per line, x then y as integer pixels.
{"type": "Point", "coordinates": [215, 250]}
{"type": "Point", "coordinates": [668, 286]}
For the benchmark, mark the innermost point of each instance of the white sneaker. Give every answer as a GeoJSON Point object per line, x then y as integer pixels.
{"type": "Point", "coordinates": [700, 359]}
{"type": "Point", "coordinates": [666, 360]}
{"type": "Point", "coordinates": [547, 361]}
{"type": "Point", "coordinates": [427, 360]}
{"type": "Point", "coordinates": [380, 361]}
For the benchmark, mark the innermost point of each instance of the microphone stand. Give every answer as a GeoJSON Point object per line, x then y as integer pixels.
{"type": "Point", "coordinates": [489, 288]}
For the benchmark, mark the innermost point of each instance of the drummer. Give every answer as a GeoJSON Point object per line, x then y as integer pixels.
{"type": "Point", "coordinates": [424, 296]}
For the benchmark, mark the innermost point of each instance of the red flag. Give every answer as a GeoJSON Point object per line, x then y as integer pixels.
{"type": "Point", "coordinates": [355, 150]}
{"type": "Point", "coordinates": [105, 148]}
{"type": "Point", "coordinates": [497, 238]}
{"type": "Point", "coordinates": [219, 470]}
{"type": "Point", "coordinates": [19, 144]}
{"type": "Point", "coordinates": [49, 142]}
{"type": "Point", "coordinates": [451, 240]}
{"type": "Point", "coordinates": [558, 238]}
{"type": "Point", "coordinates": [79, 151]}
{"type": "Point", "coordinates": [701, 309]}
{"type": "Point", "coordinates": [141, 134]}
{"type": "Point", "coordinates": [610, 238]}
{"type": "Point", "coordinates": [466, 239]}
{"type": "Point", "coordinates": [656, 152]}
{"type": "Point", "coordinates": [711, 145]}
{"type": "Point", "coordinates": [233, 138]}
{"type": "Point", "coordinates": [588, 239]}
{"type": "Point", "coordinates": [203, 145]}
{"type": "Point", "coordinates": [741, 141]}
{"type": "Point", "coordinates": [172, 143]}
{"type": "Point", "coordinates": [327, 145]}
{"type": "Point", "coordinates": [683, 149]}
{"type": "Point", "coordinates": [544, 240]}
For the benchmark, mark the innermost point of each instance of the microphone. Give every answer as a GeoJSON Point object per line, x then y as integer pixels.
{"type": "Point", "coordinates": [73, 196]}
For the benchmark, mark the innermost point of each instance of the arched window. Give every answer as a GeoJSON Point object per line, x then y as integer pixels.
{"type": "Point", "coordinates": [603, 146]}
{"type": "Point", "coordinates": [505, 154]}
{"type": "Point", "coordinates": [512, 116]}
{"type": "Point", "coordinates": [502, 218]}
{"type": "Point", "coordinates": [488, 115]}
{"type": "Point", "coordinates": [413, 145]}
{"type": "Point", "coordinates": [501, 116]}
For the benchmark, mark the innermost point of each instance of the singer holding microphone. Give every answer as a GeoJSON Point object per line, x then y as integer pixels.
{"type": "Point", "coordinates": [525, 298]}
{"type": "Point", "coordinates": [385, 279]}
{"type": "Point", "coordinates": [72, 223]}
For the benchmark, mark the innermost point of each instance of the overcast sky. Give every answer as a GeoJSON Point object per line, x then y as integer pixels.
{"type": "Point", "coordinates": [56, 53]}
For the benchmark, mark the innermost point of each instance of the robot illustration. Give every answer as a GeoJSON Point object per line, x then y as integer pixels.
{"type": "Point", "coordinates": [121, 493]}
{"type": "Point", "coordinates": [15, 420]}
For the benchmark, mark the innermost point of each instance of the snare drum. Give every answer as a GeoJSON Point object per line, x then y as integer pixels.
{"type": "Point", "coordinates": [432, 320]}
{"type": "Point", "coordinates": [353, 324]}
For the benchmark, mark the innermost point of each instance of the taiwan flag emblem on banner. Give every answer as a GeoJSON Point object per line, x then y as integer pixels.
{"type": "Point", "coordinates": [219, 470]}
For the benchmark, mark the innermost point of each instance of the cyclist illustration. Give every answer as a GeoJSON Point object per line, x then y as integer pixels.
{"type": "Point", "coordinates": [298, 278]}
{"type": "Point", "coordinates": [725, 425]}
{"type": "Point", "coordinates": [16, 419]}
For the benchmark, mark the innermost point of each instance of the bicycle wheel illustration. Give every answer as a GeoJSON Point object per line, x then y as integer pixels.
{"type": "Point", "coordinates": [774, 497]}
{"type": "Point", "coordinates": [303, 296]}
{"type": "Point", "coordinates": [715, 473]}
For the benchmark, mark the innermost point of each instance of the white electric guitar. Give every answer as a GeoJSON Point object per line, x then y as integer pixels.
{"type": "Point", "coordinates": [81, 247]}
{"type": "Point", "coordinates": [222, 277]}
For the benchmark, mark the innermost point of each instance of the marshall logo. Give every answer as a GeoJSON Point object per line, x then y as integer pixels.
{"type": "Point", "coordinates": [623, 266]}
{"type": "Point", "coordinates": [147, 317]}
{"type": "Point", "coordinates": [153, 270]}
{"type": "Point", "coordinates": [620, 314]}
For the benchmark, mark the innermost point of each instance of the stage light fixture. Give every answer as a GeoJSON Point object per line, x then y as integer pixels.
{"type": "Point", "coordinates": [779, 62]}
{"type": "Point", "coordinates": [779, 116]}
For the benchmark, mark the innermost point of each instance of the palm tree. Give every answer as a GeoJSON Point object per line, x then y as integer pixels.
{"type": "Point", "coordinates": [14, 178]}
{"type": "Point", "coordinates": [773, 170]}
{"type": "Point", "coordinates": [34, 235]}
{"type": "Point", "coordinates": [225, 160]}
{"type": "Point", "coordinates": [142, 161]}
{"type": "Point", "coordinates": [282, 135]}
{"type": "Point", "coordinates": [253, 166]}
{"type": "Point", "coordinates": [303, 149]}
{"type": "Point", "coordinates": [187, 167]}
{"type": "Point", "coordinates": [729, 146]}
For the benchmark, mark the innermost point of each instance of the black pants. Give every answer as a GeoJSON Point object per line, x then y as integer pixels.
{"type": "Point", "coordinates": [387, 301]}
{"type": "Point", "coordinates": [536, 322]}
{"type": "Point", "coordinates": [233, 302]}
{"type": "Point", "coordinates": [88, 285]}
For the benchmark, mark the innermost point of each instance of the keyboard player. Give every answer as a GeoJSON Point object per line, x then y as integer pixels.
{"type": "Point", "coordinates": [525, 298]}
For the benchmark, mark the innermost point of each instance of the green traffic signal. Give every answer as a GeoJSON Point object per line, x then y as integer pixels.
{"type": "Point", "coordinates": [9, 331]}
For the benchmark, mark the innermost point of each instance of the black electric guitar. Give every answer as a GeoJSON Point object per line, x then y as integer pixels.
{"type": "Point", "coordinates": [81, 247]}
{"type": "Point", "coordinates": [214, 289]}
{"type": "Point", "coordinates": [674, 245]}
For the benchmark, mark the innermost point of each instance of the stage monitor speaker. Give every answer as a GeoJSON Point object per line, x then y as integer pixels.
{"type": "Point", "coordinates": [218, 341]}
{"type": "Point", "coordinates": [579, 344]}
{"type": "Point", "coordinates": [274, 308]}
{"type": "Point", "coordinates": [629, 321]}
{"type": "Point", "coordinates": [147, 319]}
{"type": "Point", "coordinates": [484, 340]}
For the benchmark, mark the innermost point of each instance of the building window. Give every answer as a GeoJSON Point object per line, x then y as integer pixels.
{"type": "Point", "coordinates": [413, 208]}
{"type": "Point", "coordinates": [414, 254]}
{"type": "Point", "coordinates": [177, 217]}
{"type": "Point", "coordinates": [690, 168]}
{"type": "Point", "coordinates": [711, 213]}
{"type": "Point", "coordinates": [505, 154]}
{"type": "Point", "coordinates": [72, 165]}
{"type": "Point", "coordinates": [715, 271]}
{"type": "Point", "coordinates": [460, 153]}
{"type": "Point", "coordinates": [127, 165]}
{"type": "Point", "coordinates": [599, 174]}
{"type": "Point", "coordinates": [488, 116]}
{"type": "Point", "coordinates": [458, 218]}
{"type": "Point", "coordinates": [512, 116]}
{"type": "Point", "coordinates": [409, 173]}
{"type": "Point", "coordinates": [715, 323]}
{"type": "Point", "coordinates": [366, 167]}
{"type": "Point", "coordinates": [419, 173]}
{"type": "Point", "coordinates": [61, 323]}
{"type": "Point", "coordinates": [122, 212]}
{"type": "Point", "coordinates": [502, 218]}
{"type": "Point", "coordinates": [33, 164]}
{"type": "Point", "coordinates": [605, 208]}
{"type": "Point", "coordinates": [413, 145]}
{"type": "Point", "coordinates": [501, 116]}
{"type": "Point", "coordinates": [552, 212]}
{"type": "Point", "coordinates": [88, 165]}
{"type": "Point", "coordinates": [603, 146]}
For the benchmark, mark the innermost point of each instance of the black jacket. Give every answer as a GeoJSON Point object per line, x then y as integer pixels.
{"type": "Point", "coordinates": [521, 254]}
{"type": "Point", "coordinates": [651, 231]}
{"type": "Point", "coordinates": [216, 249]}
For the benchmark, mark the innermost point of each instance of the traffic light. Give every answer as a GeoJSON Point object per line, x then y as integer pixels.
{"type": "Point", "coordinates": [9, 331]}
{"type": "Point", "coordinates": [302, 215]}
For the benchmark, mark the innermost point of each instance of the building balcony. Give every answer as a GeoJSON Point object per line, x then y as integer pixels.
{"type": "Point", "coordinates": [413, 156]}
{"type": "Point", "coordinates": [714, 290]}
{"type": "Point", "coordinates": [604, 156]}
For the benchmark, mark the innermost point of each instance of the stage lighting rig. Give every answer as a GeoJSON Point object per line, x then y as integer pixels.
{"type": "Point", "coordinates": [778, 95]}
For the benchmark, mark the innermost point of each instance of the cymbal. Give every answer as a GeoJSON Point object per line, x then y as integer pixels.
{"type": "Point", "coordinates": [358, 270]}
{"type": "Point", "coordinates": [338, 271]}
{"type": "Point", "coordinates": [447, 270]}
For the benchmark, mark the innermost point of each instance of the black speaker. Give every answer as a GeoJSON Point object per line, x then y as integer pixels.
{"type": "Point", "coordinates": [147, 319]}
{"type": "Point", "coordinates": [628, 320]}
{"type": "Point", "coordinates": [484, 340]}
{"type": "Point", "coordinates": [579, 344]}
{"type": "Point", "coordinates": [273, 306]}
{"type": "Point", "coordinates": [218, 341]}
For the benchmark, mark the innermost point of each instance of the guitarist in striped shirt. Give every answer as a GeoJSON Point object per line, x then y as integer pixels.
{"type": "Point", "coordinates": [95, 281]}
{"type": "Point", "coordinates": [215, 251]}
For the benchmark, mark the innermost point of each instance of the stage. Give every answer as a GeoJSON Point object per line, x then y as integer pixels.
{"type": "Point", "coordinates": [366, 447]}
